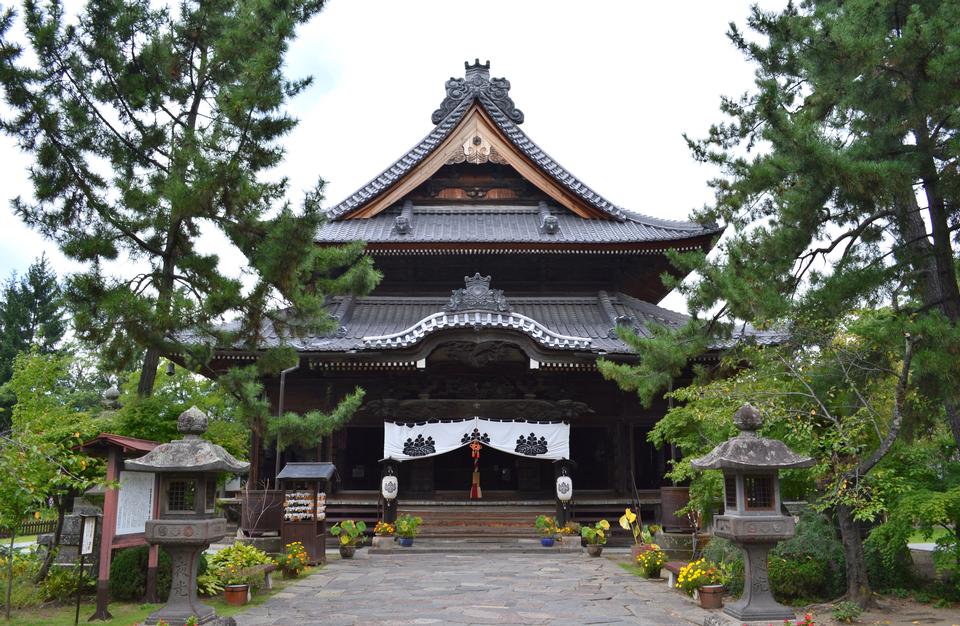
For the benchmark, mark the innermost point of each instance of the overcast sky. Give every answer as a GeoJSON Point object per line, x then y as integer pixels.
{"type": "Point", "coordinates": [607, 89]}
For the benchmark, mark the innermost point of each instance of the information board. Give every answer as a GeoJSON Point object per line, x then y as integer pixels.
{"type": "Point", "coordinates": [86, 538]}
{"type": "Point", "coordinates": [135, 504]}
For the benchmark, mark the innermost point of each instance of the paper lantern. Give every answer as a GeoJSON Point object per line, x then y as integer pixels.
{"type": "Point", "coordinates": [388, 487]}
{"type": "Point", "coordinates": [564, 488]}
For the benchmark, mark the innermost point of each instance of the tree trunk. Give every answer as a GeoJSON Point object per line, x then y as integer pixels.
{"type": "Point", "coordinates": [13, 534]}
{"type": "Point", "coordinates": [938, 285]}
{"type": "Point", "coordinates": [858, 585]}
{"type": "Point", "coordinates": [55, 545]}
{"type": "Point", "coordinates": [148, 373]}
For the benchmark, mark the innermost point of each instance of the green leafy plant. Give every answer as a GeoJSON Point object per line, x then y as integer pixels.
{"type": "Point", "coordinates": [546, 525]}
{"type": "Point", "coordinates": [349, 532]}
{"type": "Point", "coordinates": [408, 525]}
{"type": "Point", "coordinates": [209, 584]}
{"type": "Point", "coordinates": [231, 565]}
{"type": "Point", "coordinates": [846, 612]}
{"type": "Point", "coordinates": [597, 534]}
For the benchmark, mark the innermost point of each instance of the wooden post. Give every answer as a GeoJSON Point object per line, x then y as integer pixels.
{"type": "Point", "coordinates": [107, 533]}
{"type": "Point", "coordinates": [153, 555]}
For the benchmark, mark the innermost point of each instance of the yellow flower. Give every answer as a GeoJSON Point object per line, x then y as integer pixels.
{"type": "Point", "coordinates": [604, 524]}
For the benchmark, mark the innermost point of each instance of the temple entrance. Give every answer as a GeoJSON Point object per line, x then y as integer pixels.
{"type": "Point", "coordinates": [438, 456]}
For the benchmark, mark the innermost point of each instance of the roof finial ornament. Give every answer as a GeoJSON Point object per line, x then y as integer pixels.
{"type": "Point", "coordinates": [748, 420]}
{"type": "Point", "coordinates": [477, 84]}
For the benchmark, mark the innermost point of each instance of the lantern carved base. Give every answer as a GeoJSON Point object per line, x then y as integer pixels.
{"type": "Point", "coordinates": [184, 541]}
{"type": "Point", "coordinates": [756, 536]}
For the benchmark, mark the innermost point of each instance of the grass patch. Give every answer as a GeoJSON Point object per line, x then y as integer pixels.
{"type": "Point", "coordinates": [125, 614]}
{"type": "Point", "coordinates": [636, 570]}
{"type": "Point", "coordinates": [62, 615]}
{"type": "Point", "coordinates": [919, 537]}
{"type": "Point", "coordinates": [279, 584]}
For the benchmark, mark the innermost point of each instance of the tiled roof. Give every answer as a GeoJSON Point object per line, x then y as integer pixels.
{"type": "Point", "coordinates": [502, 223]}
{"type": "Point", "coordinates": [493, 96]}
{"type": "Point", "coordinates": [586, 316]}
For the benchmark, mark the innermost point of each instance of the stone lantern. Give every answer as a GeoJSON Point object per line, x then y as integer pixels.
{"type": "Point", "coordinates": [752, 517]}
{"type": "Point", "coordinates": [188, 469]}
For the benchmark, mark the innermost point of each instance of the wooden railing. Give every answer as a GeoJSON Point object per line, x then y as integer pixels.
{"type": "Point", "coordinates": [31, 527]}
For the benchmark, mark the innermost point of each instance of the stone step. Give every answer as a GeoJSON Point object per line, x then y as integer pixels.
{"type": "Point", "coordinates": [422, 545]}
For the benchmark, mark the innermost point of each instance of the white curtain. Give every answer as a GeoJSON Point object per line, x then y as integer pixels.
{"type": "Point", "coordinates": [535, 440]}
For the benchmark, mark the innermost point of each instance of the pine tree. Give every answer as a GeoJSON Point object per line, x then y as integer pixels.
{"type": "Point", "coordinates": [31, 314]}
{"type": "Point", "coordinates": [839, 188]}
{"type": "Point", "coordinates": [149, 125]}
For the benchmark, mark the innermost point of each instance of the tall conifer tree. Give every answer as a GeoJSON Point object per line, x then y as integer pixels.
{"type": "Point", "coordinates": [31, 314]}
{"type": "Point", "coordinates": [840, 189]}
{"type": "Point", "coordinates": [149, 125]}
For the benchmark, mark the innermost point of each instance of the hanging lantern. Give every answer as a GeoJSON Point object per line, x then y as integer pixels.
{"type": "Point", "coordinates": [564, 488]}
{"type": "Point", "coordinates": [388, 487]}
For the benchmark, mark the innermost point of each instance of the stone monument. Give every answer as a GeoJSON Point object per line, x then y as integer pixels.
{"type": "Point", "coordinates": [752, 517]}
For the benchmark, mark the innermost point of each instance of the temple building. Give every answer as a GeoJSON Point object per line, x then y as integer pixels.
{"type": "Point", "coordinates": [505, 279]}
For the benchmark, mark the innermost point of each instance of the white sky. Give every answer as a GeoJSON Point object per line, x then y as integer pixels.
{"type": "Point", "coordinates": [607, 89]}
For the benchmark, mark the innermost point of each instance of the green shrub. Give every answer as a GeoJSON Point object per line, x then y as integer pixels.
{"type": "Point", "coordinates": [61, 582]}
{"type": "Point", "coordinates": [24, 593]}
{"type": "Point", "coordinates": [800, 578]}
{"type": "Point", "coordinates": [809, 566]}
{"type": "Point", "coordinates": [227, 564]}
{"type": "Point", "coordinates": [846, 612]}
{"type": "Point", "coordinates": [128, 573]}
{"type": "Point", "coordinates": [889, 565]}
{"type": "Point", "coordinates": [722, 551]}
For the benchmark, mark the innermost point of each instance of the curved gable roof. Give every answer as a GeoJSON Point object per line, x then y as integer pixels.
{"type": "Point", "coordinates": [491, 97]}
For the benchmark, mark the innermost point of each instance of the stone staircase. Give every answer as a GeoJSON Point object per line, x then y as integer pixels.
{"type": "Point", "coordinates": [479, 521]}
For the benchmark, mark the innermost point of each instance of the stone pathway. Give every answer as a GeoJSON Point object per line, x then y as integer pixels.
{"type": "Point", "coordinates": [475, 589]}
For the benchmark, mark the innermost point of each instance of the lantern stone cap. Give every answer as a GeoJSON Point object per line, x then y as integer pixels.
{"type": "Point", "coordinates": [748, 451]}
{"type": "Point", "coordinates": [190, 454]}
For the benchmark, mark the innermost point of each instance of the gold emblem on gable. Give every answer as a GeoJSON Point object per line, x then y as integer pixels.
{"type": "Point", "coordinates": [476, 150]}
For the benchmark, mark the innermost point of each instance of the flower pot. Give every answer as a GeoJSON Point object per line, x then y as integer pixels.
{"type": "Point", "coordinates": [546, 542]}
{"type": "Point", "coordinates": [382, 541]}
{"type": "Point", "coordinates": [711, 596]}
{"type": "Point", "coordinates": [594, 549]}
{"type": "Point", "coordinates": [406, 542]}
{"type": "Point", "coordinates": [652, 573]}
{"type": "Point", "coordinates": [236, 594]}
{"type": "Point", "coordinates": [346, 552]}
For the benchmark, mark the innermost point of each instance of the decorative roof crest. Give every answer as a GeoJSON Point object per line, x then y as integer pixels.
{"type": "Point", "coordinates": [477, 295]}
{"type": "Point", "coordinates": [475, 84]}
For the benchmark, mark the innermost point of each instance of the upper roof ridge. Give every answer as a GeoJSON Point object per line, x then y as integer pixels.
{"type": "Point", "coordinates": [477, 81]}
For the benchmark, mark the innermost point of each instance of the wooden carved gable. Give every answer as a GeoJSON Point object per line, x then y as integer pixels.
{"type": "Point", "coordinates": [476, 140]}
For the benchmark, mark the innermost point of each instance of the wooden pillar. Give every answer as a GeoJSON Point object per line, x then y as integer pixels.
{"type": "Point", "coordinates": [621, 465]}
{"type": "Point", "coordinates": [107, 533]}
{"type": "Point", "coordinates": [153, 556]}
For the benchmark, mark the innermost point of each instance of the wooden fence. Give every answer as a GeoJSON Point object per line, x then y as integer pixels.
{"type": "Point", "coordinates": [31, 527]}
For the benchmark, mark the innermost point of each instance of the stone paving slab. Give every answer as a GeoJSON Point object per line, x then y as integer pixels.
{"type": "Point", "coordinates": [492, 588]}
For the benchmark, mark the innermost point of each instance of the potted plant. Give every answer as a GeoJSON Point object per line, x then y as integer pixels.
{"type": "Point", "coordinates": [650, 560]}
{"type": "Point", "coordinates": [547, 527]}
{"type": "Point", "coordinates": [406, 528]}
{"type": "Point", "coordinates": [595, 536]}
{"type": "Point", "coordinates": [703, 579]}
{"type": "Point", "coordinates": [232, 567]}
{"type": "Point", "coordinates": [631, 521]}
{"type": "Point", "coordinates": [350, 534]}
{"type": "Point", "coordinates": [294, 560]}
{"type": "Point", "coordinates": [383, 534]}
{"type": "Point", "coordinates": [236, 586]}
